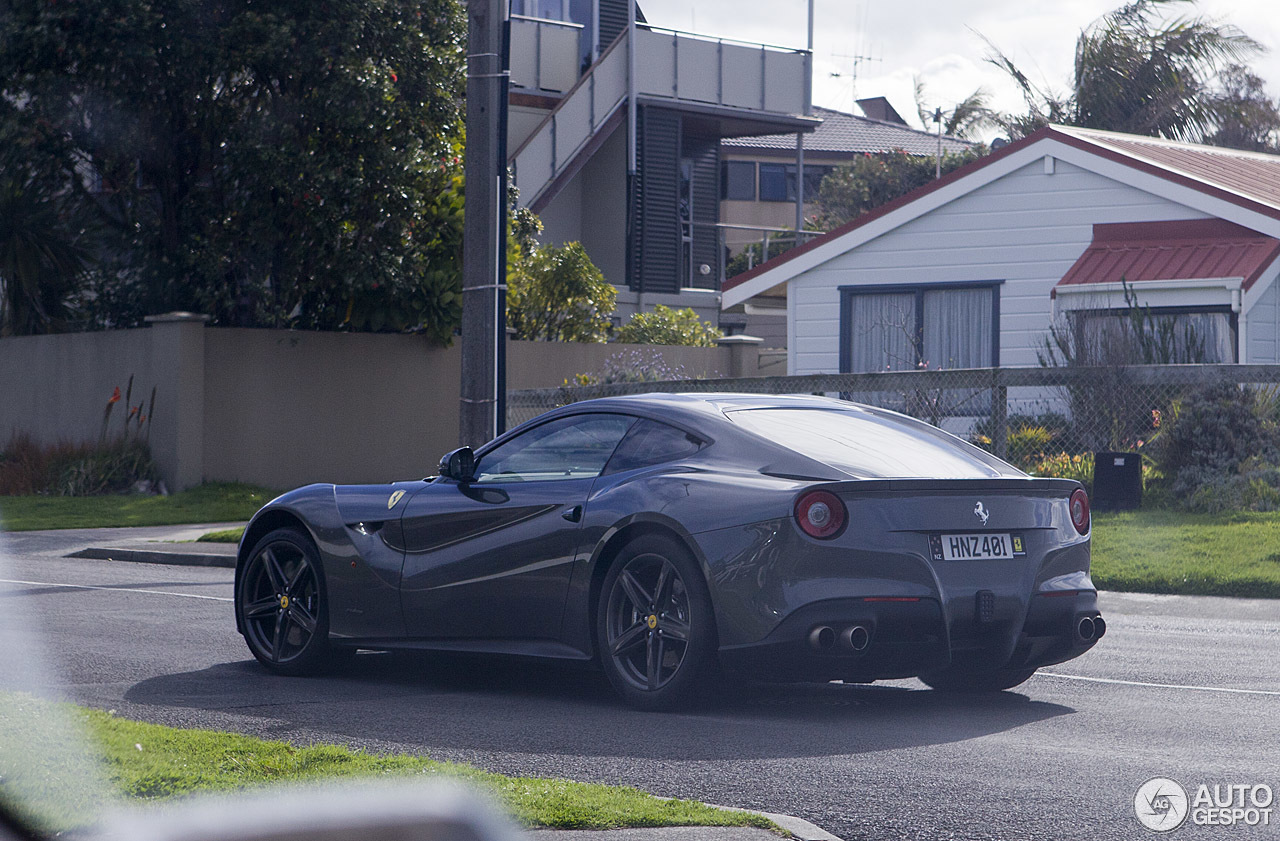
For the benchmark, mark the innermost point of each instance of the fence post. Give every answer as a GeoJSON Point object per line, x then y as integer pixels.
{"type": "Point", "coordinates": [1000, 415]}
{"type": "Point", "coordinates": [744, 355]}
{"type": "Point", "coordinates": [177, 439]}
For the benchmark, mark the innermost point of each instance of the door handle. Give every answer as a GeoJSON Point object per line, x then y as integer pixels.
{"type": "Point", "coordinates": [573, 515]}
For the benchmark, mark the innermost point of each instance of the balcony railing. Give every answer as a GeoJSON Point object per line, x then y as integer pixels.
{"type": "Point", "coordinates": [720, 71]}
{"type": "Point", "coordinates": [672, 65]}
{"type": "Point", "coordinates": [546, 55]}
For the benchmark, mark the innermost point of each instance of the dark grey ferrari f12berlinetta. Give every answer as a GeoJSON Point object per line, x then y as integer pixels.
{"type": "Point", "coordinates": [792, 538]}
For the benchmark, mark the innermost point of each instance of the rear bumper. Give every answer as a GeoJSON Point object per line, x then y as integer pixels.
{"type": "Point", "coordinates": [907, 638]}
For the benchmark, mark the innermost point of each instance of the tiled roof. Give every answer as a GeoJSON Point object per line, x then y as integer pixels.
{"type": "Point", "coordinates": [842, 132]}
{"type": "Point", "coordinates": [1198, 249]}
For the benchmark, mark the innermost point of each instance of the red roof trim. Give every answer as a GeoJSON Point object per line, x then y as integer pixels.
{"type": "Point", "coordinates": [1195, 249]}
{"type": "Point", "coordinates": [1095, 147]}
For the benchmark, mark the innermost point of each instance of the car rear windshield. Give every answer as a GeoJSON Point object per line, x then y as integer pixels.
{"type": "Point", "coordinates": [873, 445]}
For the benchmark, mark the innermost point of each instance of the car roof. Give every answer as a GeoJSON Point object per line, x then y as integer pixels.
{"type": "Point", "coordinates": [711, 402]}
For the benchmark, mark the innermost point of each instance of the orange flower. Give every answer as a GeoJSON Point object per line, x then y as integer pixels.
{"type": "Point", "coordinates": [115, 396]}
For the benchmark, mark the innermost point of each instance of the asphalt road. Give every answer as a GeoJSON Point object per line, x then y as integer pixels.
{"type": "Point", "coordinates": [1186, 688]}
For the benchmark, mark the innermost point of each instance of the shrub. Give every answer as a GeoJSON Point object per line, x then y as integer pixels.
{"type": "Point", "coordinates": [665, 326]}
{"type": "Point", "coordinates": [557, 294]}
{"type": "Point", "coordinates": [1217, 450]}
{"type": "Point", "coordinates": [639, 365]}
{"type": "Point", "coordinates": [115, 464]}
{"type": "Point", "coordinates": [1066, 466]}
{"type": "Point", "coordinates": [1028, 437]}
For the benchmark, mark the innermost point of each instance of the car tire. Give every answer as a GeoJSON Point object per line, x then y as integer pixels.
{"type": "Point", "coordinates": [283, 606]}
{"type": "Point", "coordinates": [963, 680]}
{"type": "Point", "coordinates": [655, 626]}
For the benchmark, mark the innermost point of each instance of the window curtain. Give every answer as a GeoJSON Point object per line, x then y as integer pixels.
{"type": "Point", "coordinates": [957, 328]}
{"type": "Point", "coordinates": [882, 326]}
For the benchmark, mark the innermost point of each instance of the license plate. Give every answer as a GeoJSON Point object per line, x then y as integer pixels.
{"type": "Point", "coordinates": [976, 547]}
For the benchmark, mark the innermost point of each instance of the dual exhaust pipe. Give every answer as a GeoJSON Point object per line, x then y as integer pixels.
{"type": "Point", "coordinates": [851, 640]}
{"type": "Point", "coordinates": [1090, 628]}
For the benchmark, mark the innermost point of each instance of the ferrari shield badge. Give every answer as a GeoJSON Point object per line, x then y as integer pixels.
{"type": "Point", "coordinates": [395, 497]}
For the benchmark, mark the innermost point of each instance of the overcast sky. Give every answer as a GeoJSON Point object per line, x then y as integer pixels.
{"type": "Point", "coordinates": [937, 41]}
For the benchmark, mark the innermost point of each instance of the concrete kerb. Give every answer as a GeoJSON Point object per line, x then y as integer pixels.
{"type": "Point", "coordinates": [216, 555]}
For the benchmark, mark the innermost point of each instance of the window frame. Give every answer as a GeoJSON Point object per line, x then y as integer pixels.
{"type": "Point", "coordinates": [813, 174]}
{"type": "Point", "coordinates": [850, 292]}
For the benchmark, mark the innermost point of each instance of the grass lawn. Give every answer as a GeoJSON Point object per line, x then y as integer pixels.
{"type": "Point", "coordinates": [147, 762]}
{"type": "Point", "coordinates": [212, 502]}
{"type": "Point", "coordinates": [223, 536]}
{"type": "Point", "coordinates": [1195, 554]}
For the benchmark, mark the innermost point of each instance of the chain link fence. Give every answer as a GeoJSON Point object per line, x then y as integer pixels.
{"type": "Point", "coordinates": [1014, 412]}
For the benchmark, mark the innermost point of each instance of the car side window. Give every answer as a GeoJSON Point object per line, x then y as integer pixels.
{"type": "Point", "coordinates": [650, 442]}
{"type": "Point", "coordinates": [576, 447]}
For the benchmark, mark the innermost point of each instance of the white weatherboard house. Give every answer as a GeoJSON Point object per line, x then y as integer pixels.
{"type": "Point", "coordinates": [977, 265]}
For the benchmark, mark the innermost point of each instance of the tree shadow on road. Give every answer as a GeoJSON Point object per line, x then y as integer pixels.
{"type": "Point", "coordinates": [472, 704]}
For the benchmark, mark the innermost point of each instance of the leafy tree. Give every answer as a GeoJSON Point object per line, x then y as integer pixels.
{"type": "Point", "coordinates": [869, 181]}
{"type": "Point", "coordinates": [557, 294]}
{"type": "Point", "coordinates": [1253, 120]}
{"type": "Point", "coordinates": [665, 326]}
{"type": "Point", "coordinates": [1136, 72]}
{"type": "Point", "coordinates": [285, 163]}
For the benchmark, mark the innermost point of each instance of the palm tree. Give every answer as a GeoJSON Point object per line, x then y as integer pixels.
{"type": "Point", "coordinates": [961, 120]}
{"type": "Point", "coordinates": [1139, 73]}
{"type": "Point", "coordinates": [41, 260]}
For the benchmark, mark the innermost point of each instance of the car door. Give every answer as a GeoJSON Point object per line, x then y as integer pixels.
{"type": "Point", "coordinates": [492, 558]}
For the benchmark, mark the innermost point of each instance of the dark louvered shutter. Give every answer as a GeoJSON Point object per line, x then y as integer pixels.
{"type": "Point", "coordinates": [656, 244]}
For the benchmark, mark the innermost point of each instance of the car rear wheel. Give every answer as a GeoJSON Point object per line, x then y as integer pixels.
{"type": "Point", "coordinates": [655, 627]}
{"type": "Point", "coordinates": [281, 604]}
{"type": "Point", "coordinates": [962, 680]}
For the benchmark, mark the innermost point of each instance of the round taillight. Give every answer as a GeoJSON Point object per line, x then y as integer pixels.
{"type": "Point", "coordinates": [820, 514]}
{"type": "Point", "coordinates": [1080, 511]}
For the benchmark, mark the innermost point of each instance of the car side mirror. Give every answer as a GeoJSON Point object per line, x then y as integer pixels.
{"type": "Point", "coordinates": [459, 465]}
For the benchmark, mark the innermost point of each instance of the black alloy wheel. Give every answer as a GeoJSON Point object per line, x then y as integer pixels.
{"type": "Point", "coordinates": [655, 624]}
{"type": "Point", "coordinates": [281, 602]}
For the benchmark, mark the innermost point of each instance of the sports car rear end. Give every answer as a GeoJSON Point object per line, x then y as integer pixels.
{"type": "Point", "coordinates": [981, 572]}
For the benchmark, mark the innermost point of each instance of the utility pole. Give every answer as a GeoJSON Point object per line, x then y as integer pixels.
{"type": "Point", "coordinates": [484, 224]}
{"type": "Point", "coordinates": [808, 110]}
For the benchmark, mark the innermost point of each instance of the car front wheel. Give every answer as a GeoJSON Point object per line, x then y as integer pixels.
{"type": "Point", "coordinates": [281, 604]}
{"type": "Point", "coordinates": [655, 626]}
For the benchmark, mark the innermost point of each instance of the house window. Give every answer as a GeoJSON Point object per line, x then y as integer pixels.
{"type": "Point", "coordinates": [934, 325]}
{"type": "Point", "coordinates": [778, 181]}
{"type": "Point", "coordinates": [738, 180]}
{"type": "Point", "coordinates": [1175, 334]}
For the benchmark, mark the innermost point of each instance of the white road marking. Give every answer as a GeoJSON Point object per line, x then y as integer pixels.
{"type": "Point", "coordinates": [1163, 685]}
{"type": "Point", "coordinates": [116, 589]}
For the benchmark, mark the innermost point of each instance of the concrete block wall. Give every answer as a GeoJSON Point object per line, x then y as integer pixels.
{"type": "Point", "coordinates": [282, 408]}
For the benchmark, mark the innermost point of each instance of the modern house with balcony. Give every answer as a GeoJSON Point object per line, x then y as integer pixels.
{"type": "Point", "coordinates": [614, 132]}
